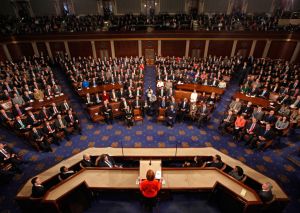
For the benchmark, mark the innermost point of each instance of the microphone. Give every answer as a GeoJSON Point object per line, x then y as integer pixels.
{"type": "Point", "coordinates": [176, 149]}
{"type": "Point", "coordinates": [122, 148]}
{"type": "Point", "coordinates": [150, 162]}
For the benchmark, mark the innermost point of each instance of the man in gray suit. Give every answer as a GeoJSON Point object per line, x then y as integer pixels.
{"type": "Point", "coordinates": [258, 113]}
{"type": "Point", "coordinates": [235, 106]}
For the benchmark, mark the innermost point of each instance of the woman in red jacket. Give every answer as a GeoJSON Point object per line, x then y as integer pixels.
{"type": "Point", "coordinates": [149, 189]}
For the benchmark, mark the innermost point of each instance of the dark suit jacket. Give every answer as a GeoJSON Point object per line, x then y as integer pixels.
{"type": "Point", "coordinates": [187, 106]}
{"type": "Point", "coordinates": [57, 124]}
{"type": "Point", "coordinates": [85, 163]}
{"type": "Point", "coordinates": [38, 191]}
{"type": "Point", "coordinates": [266, 195]}
{"type": "Point", "coordinates": [18, 125]}
{"type": "Point", "coordinates": [46, 130]}
{"type": "Point", "coordinates": [8, 150]}
{"type": "Point", "coordinates": [256, 128]}
{"type": "Point", "coordinates": [68, 119]}
{"type": "Point", "coordinates": [110, 159]}
{"type": "Point", "coordinates": [37, 135]}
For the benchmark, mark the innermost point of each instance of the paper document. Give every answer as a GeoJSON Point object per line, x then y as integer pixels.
{"type": "Point", "coordinates": [158, 175]}
{"type": "Point", "coordinates": [243, 192]}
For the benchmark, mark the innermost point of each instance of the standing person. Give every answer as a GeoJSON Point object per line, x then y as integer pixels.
{"type": "Point", "coordinates": [149, 189]}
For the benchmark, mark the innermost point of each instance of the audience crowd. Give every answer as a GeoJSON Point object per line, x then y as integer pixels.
{"type": "Point", "coordinates": [212, 72]}
{"type": "Point", "coordinates": [272, 80]}
{"type": "Point", "coordinates": [33, 104]}
{"type": "Point", "coordinates": [122, 77]}
{"type": "Point", "coordinates": [95, 23]}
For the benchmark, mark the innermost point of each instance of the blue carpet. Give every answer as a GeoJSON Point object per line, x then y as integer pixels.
{"type": "Point", "coordinates": [272, 162]}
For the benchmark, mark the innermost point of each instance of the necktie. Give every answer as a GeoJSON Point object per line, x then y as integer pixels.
{"type": "Point", "coordinates": [66, 106]}
{"type": "Point", "coordinates": [21, 123]}
{"type": "Point", "coordinates": [55, 110]}
{"type": "Point", "coordinates": [71, 117]}
{"type": "Point", "coordinates": [137, 103]}
{"type": "Point", "coordinates": [109, 164]}
{"type": "Point", "coordinates": [49, 128]}
{"type": "Point", "coordinates": [61, 123]}
{"type": "Point", "coordinates": [4, 152]}
{"type": "Point", "coordinates": [19, 111]}
{"type": "Point", "coordinates": [228, 118]}
{"type": "Point", "coordinates": [252, 127]}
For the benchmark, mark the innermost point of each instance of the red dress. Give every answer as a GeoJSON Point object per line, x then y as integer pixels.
{"type": "Point", "coordinates": [150, 188]}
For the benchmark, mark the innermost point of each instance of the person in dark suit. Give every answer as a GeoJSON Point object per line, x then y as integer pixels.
{"type": "Point", "coordinates": [28, 98]}
{"type": "Point", "coordinates": [72, 120]}
{"type": "Point", "coordinates": [6, 118]}
{"type": "Point", "coordinates": [129, 116]}
{"type": "Point", "coordinates": [265, 193]}
{"type": "Point", "coordinates": [50, 131]}
{"type": "Point", "coordinates": [163, 103]}
{"type": "Point", "coordinates": [247, 110]}
{"type": "Point", "coordinates": [65, 173]}
{"type": "Point", "coordinates": [21, 124]}
{"type": "Point", "coordinates": [17, 111]}
{"type": "Point", "coordinates": [263, 136]}
{"type": "Point", "coordinates": [137, 103]}
{"type": "Point", "coordinates": [44, 114]}
{"type": "Point", "coordinates": [227, 121]}
{"type": "Point", "coordinates": [217, 162]}
{"type": "Point", "coordinates": [171, 116]}
{"type": "Point", "coordinates": [54, 111]}
{"type": "Point", "coordinates": [251, 130]}
{"type": "Point", "coordinates": [7, 155]}
{"type": "Point", "coordinates": [269, 118]}
{"type": "Point", "coordinates": [253, 91]}
{"type": "Point", "coordinates": [61, 124]}
{"type": "Point", "coordinates": [203, 113]}
{"type": "Point", "coordinates": [40, 140]}
{"type": "Point", "coordinates": [105, 160]}
{"type": "Point", "coordinates": [64, 107]}
{"type": "Point", "coordinates": [38, 190]}
{"type": "Point", "coordinates": [107, 112]}
{"type": "Point", "coordinates": [265, 93]}
{"type": "Point", "coordinates": [184, 108]}
{"type": "Point", "coordinates": [86, 161]}
{"type": "Point", "coordinates": [32, 119]}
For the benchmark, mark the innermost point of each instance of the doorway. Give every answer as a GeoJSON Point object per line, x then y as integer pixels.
{"type": "Point", "coordinates": [149, 56]}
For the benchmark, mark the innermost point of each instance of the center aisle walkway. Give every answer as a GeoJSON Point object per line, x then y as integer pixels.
{"type": "Point", "coordinates": [150, 78]}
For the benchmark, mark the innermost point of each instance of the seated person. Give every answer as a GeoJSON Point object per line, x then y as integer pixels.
{"type": "Point", "coordinates": [239, 125]}
{"type": "Point", "coordinates": [251, 130]}
{"type": "Point", "coordinates": [264, 135]}
{"type": "Point", "coordinates": [227, 121]}
{"type": "Point", "coordinates": [38, 190]}
{"type": "Point", "coordinates": [193, 110]}
{"type": "Point", "coordinates": [222, 84]}
{"type": "Point", "coordinates": [170, 116]}
{"type": "Point", "coordinates": [237, 173]}
{"type": "Point", "coordinates": [217, 162]}
{"type": "Point", "coordinates": [21, 124]}
{"type": "Point", "coordinates": [269, 118]}
{"type": "Point", "coordinates": [105, 160]}
{"type": "Point", "coordinates": [86, 161]}
{"type": "Point", "coordinates": [65, 172]}
{"type": "Point", "coordinates": [281, 124]}
{"type": "Point", "coordinates": [61, 125]}
{"type": "Point", "coordinates": [183, 109]}
{"type": "Point", "coordinates": [197, 162]}
{"type": "Point", "coordinates": [128, 116]}
{"type": "Point", "coordinates": [235, 106]}
{"type": "Point", "coordinates": [72, 121]}
{"type": "Point", "coordinates": [40, 140]}
{"type": "Point", "coordinates": [247, 109]}
{"type": "Point", "coordinates": [107, 112]}
{"type": "Point", "coordinates": [203, 113]}
{"type": "Point", "coordinates": [38, 95]}
{"type": "Point", "coordinates": [265, 193]}
{"type": "Point", "coordinates": [7, 155]}
{"type": "Point", "coordinates": [258, 113]}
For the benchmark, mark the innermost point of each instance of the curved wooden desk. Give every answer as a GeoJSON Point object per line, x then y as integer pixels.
{"type": "Point", "coordinates": [178, 178]}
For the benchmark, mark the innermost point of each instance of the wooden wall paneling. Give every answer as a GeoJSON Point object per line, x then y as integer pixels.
{"type": "Point", "coordinates": [57, 46]}
{"type": "Point", "coordinates": [282, 49]}
{"type": "Point", "coordinates": [197, 46]}
{"type": "Point", "coordinates": [126, 48]}
{"type": "Point", "coordinates": [80, 48]}
{"type": "Point", "coordinates": [220, 47]}
{"type": "Point", "coordinates": [149, 44]}
{"type": "Point", "coordinates": [243, 47]}
{"type": "Point", "coordinates": [2, 54]}
{"type": "Point", "coordinates": [102, 47]}
{"type": "Point", "coordinates": [173, 48]}
{"type": "Point", "coordinates": [297, 60]}
{"type": "Point", "coordinates": [18, 50]}
{"type": "Point", "coordinates": [41, 46]}
{"type": "Point", "coordinates": [259, 48]}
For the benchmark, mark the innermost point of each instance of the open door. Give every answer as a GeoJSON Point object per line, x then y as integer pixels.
{"type": "Point", "coordinates": [150, 56]}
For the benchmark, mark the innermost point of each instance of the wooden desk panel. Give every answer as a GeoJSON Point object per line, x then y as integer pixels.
{"type": "Point", "coordinates": [200, 88]}
{"type": "Point", "coordinates": [145, 166]}
{"type": "Point", "coordinates": [100, 88]}
{"type": "Point", "coordinates": [25, 191]}
{"type": "Point", "coordinates": [113, 179]}
{"type": "Point", "coordinates": [48, 102]}
{"type": "Point", "coordinates": [255, 100]}
{"type": "Point", "coordinates": [175, 179]}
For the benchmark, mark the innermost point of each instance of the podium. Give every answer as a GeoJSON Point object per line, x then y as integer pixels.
{"type": "Point", "coordinates": [154, 165]}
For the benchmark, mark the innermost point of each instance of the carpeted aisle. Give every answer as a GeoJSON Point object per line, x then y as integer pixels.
{"type": "Point", "coordinates": [272, 162]}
